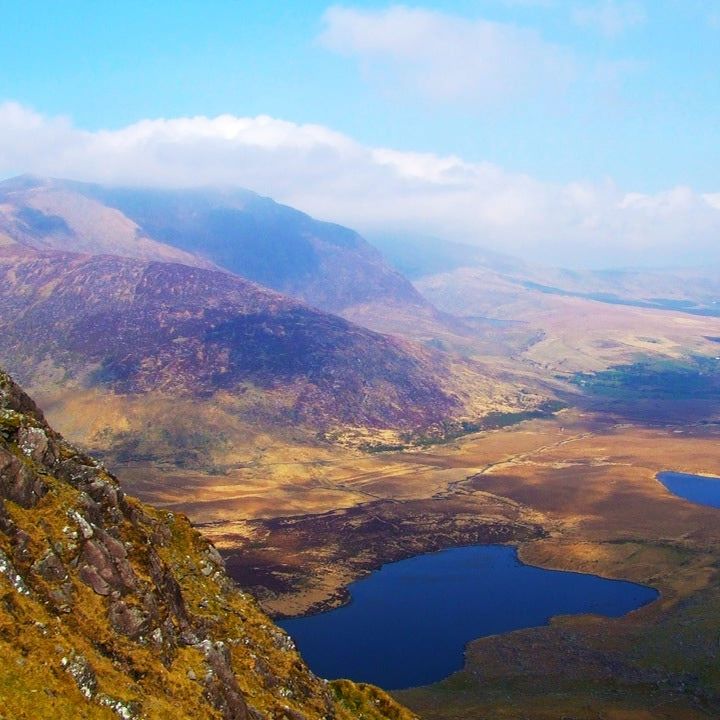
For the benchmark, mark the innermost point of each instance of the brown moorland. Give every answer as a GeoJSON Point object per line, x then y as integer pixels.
{"type": "Point", "coordinates": [578, 492]}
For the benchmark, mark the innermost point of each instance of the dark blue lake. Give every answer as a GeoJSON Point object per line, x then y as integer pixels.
{"type": "Point", "coordinates": [695, 488]}
{"type": "Point", "coordinates": [408, 623]}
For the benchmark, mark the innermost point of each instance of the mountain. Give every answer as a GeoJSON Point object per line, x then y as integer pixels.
{"type": "Point", "coordinates": [49, 215]}
{"type": "Point", "coordinates": [561, 321]}
{"type": "Point", "coordinates": [419, 256]}
{"type": "Point", "coordinates": [323, 264]}
{"type": "Point", "coordinates": [112, 609]}
{"type": "Point", "coordinates": [575, 330]}
{"type": "Point", "coordinates": [433, 263]}
{"type": "Point", "coordinates": [145, 333]}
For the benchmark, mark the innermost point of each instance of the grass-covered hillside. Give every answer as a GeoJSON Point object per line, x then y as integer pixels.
{"type": "Point", "coordinates": [110, 608]}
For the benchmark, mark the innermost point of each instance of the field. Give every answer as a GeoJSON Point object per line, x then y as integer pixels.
{"type": "Point", "coordinates": [577, 492]}
{"type": "Point", "coordinates": [298, 520]}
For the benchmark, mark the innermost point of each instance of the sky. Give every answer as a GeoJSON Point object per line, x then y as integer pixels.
{"type": "Point", "coordinates": [576, 132]}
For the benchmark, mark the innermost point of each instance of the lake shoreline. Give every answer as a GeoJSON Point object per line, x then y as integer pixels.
{"type": "Point", "coordinates": [694, 488]}
{"type": "Point", "coordinates": [470, 592]}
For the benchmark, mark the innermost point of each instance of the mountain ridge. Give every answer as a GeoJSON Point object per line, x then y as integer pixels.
{"type": "Point", "coordinates": [321, 263]}
{"type": "Point", "coordinates": [143, 335]}
{"type": "Point", "coordinates": [148, 326]}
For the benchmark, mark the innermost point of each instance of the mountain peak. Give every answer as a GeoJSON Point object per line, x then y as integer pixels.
{"type": "Point", "coordinates": [324, 264]}
{"type": "Point", "coordinates": [26, 181]}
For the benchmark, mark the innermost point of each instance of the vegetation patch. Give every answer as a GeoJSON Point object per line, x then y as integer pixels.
{"type": "Point", "coordinates": [694, 378]}
{"type": "Point", "coordinates": [454, 430]}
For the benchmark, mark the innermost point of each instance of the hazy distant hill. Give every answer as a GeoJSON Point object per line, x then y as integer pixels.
{"type": "Point", "coordinates": [419, 256]}
{"type": "Point", "coordinates": [498, 278]}
{"type": "Point", "coordinates": [51, 215]}
{"type": "Point", "coordinates": [324, 264]}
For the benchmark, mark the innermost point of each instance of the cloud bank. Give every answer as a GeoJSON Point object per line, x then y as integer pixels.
{"type": "Point", "coordinates": [333, 177]}
{"type": "Point", "coordinates": [445, 58]}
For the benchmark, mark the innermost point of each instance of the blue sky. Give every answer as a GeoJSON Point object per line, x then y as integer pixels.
{"type": "Point", "coordinates": [619, 92]}
{"type": "Point", "coordinates": [106, 64]}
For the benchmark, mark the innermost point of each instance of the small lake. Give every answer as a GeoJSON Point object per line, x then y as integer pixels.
{"type": "Point", "coordinates": [695, 488]}
{"type": "Point", "coordinates": [408, 623]}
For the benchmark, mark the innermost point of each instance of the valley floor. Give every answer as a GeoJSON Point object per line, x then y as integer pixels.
{"type": "Point", "coordinates": [576, 492]}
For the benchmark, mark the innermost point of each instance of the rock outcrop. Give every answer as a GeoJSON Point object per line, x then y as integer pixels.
{"type": "Point", "coordinates": [110, 608]}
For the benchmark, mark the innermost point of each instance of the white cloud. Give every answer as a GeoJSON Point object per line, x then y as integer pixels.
{"type": "Point", "coordinates": [333, 177]}
{"type": "Point", "coordinates": [529, 3]}
{"type": "Point", "coordinates": [442, 57]}
{"type": "Point", "coordinates": [610, 17]}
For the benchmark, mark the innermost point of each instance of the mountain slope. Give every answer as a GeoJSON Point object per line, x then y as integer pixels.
{"type": "Point", "coordinates": [326, 265]}
{"type": "Point", "coordinates": [44, 215]}
{"type": "Point", "coordinates": [109, 608]}
{"type": "Point", "coordinates": [435, 264]}
{"type": "Point", "coordinates": [148, 334]}
{"type": "Point", "coordinates": [138, 326]}
{"type": "Point", "coordinates": [573, 332]}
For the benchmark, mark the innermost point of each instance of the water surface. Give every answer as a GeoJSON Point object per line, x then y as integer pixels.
{"type": "Point", "coordinates": [699, 489]}
{"type": "Point", "coordinates": [408, 623]}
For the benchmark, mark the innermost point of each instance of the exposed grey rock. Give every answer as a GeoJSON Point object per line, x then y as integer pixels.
{"type": "Point", "coordinates": [129, 620]}
{"type": "Point", "coordinates": [109, 564]}
{"type": "Point", "coordinates": [62, 597]}
{"type": "Point", "coordinates": [161, 536]}
{"type": "Point", "coordinates": [221, 687]}
{"type": "Point", "coordinates": [89, 575]}
{"type": "Point", "coordinates": [124, 710]}
{"type": "Point", "coordinates": [18, 482]}
{"type": "Point", "coordinates": [34, 443]}
{"type": "Point", "coordinates": [263, 671]}
{"type": "Point", "coordinates": [214, 556]}
{"type": "Point", "coordinates": [50, 567]}
{"type": "Point", "coordinates": [114, 547]}
{"type": "Point", "coordinates": [168, 589]}
{"type": "Point", "coordinates": [85, 527]}
{"type": "Point", "coordinates": [16, 580]}
{"type": "Point", "coordinates": [21, 547]}
{"type": "Point", "coordinates": [83, 674]}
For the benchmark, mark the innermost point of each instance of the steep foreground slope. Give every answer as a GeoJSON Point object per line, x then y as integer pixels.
{"type": "Point", "coordinates": [110, 608]}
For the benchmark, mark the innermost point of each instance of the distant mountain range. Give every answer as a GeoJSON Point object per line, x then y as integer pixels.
{"type": "Point", "coordinates": [132, 302]}
{"type": "Point", "coordinates": [436, 264]}
{"type": "Point", "coordinates": [323, 264]}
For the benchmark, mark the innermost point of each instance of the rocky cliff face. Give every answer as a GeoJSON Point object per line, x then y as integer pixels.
{"type": "Point", "coordinates": [110, 608]}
